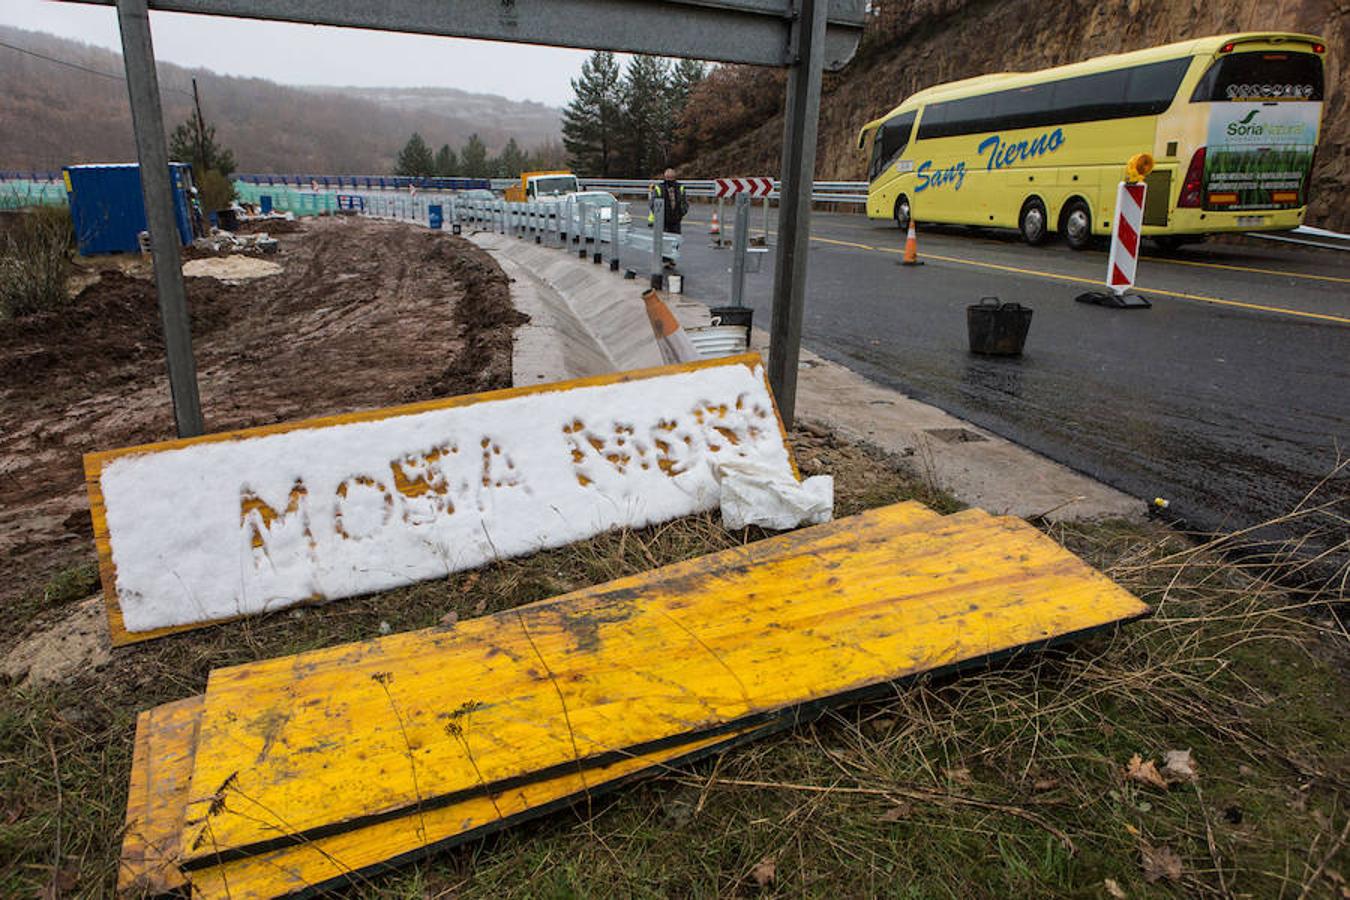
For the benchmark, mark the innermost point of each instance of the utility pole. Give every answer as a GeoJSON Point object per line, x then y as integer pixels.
{"type": "Point", "coordinates": [201, 127]}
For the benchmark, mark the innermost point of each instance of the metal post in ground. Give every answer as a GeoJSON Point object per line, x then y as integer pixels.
{"type": "Point", "coordinates": [147, 119]}
{"type": "Point", "coordinates": [658, 240]}
{"type": "Point", "coordinates": [614, 237]}
{"type": "Point", "coordinates": [801, 117]}
{"type": "Point", "coordinates": [740, 241]}
{"type": "Point", "coordinates": [721, 218]}
{"type": "Point", "coordinates": [766, 220]}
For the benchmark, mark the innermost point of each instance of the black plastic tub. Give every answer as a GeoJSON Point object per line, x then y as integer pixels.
{"type": "Point", "coordinates": [996, 328]}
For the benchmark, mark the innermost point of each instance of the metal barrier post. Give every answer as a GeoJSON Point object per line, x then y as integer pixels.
{"type": "Point", "coordinates": [658, 240]}
{"type": "Point", "coordinates": [596, 254]}
{"type": "Point", "coordinates": [740, 241]}
{"type": "Point", "coordinates": [721, 220]}
{"type": "Point", "coordinates": [565, 222]}
{"type": "Point", "coordinates": [614, 237]}
{"type": "Point", "coordinates": [583, 210]}
{"type": "Point", "coordinates": [766, 220]}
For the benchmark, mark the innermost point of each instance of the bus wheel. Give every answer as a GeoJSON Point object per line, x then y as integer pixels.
{"type": "Point", "coordinates": [902, 212]}
{"type": "Point", "coordinates": [1076, 224]}
{"type": "Point", "coordinates": [1032, 222]}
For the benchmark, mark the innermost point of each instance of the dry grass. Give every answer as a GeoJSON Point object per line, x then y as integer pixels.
{"type": "Point", "coordinates": [35, 261]}
{"type": "Point", "coordinates": [1006, 782]}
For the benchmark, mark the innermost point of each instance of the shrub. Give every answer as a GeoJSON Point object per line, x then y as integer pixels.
{"type": "Point", "coordinates": [217, 192]}
{"type": "Point", "coordinates": [34, 262]}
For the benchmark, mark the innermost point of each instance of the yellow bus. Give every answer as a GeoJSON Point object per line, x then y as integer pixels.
{"type": "Point", "coordinates": [1232, 122]}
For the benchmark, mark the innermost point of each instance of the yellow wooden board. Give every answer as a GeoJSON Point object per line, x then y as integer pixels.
{"type": "Point", "coordinates": [336, 739]}
{"type": "Point", "coordinates": [96, 463]}
{"type": "Point", "coordinates": [161, 769]}
{"type": "Point", "coordinates": [166, 740]}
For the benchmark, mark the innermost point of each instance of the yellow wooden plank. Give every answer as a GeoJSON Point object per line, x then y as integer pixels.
{"type": "Point", "coordinates": [94, 463]}
{"type": "Point", "coordinates": [328, 740]}
{"type": "Point", "coordinates": [354, 856]}
{"type": "Point", "coordinates": [166, 740]}
{"type": "Point", "coordinates": [161, 770]}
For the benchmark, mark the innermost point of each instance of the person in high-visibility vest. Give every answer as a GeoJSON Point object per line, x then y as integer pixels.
{"type": "Point", "coordinates": [676, 203]}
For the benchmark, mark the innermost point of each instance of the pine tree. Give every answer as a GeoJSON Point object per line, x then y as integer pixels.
{"type": "Point", "coordinates": [187, 145]}
{"type": "Point", "coordinates": [511, 162]}
{"type": "Point", "coordinates": [683, 79]}
{"type": "Point", "coordinates": [473, 158]}
{"type": "Point", "coordinates": [415, 158]}
{"type": "Point", "coordinates": [591, 122]}
{"type": "Point", "coordinates": [647, 125]}
{"type": "Point", "coordinates": [447, 163]}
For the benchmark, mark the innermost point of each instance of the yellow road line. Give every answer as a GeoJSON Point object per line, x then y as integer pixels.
{"type": "Point", "coordinates": [1233, 267]}
{"type": "Point", "coordinates": [1279, 310]}
{"type": "Point", "coordinates": [1236, 268]}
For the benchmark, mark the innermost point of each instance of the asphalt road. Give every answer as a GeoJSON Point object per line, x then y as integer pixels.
{"type": "Point", "coordinates": [1230, 397]}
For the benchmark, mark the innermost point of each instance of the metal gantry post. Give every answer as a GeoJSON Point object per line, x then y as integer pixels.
{"type": "Point", "coordinates": [658, 239]}
{"type": "Point", "coordinates": [147, 118]}
{"type": "Point", "coordinates": [801, 116]}
{"type": "Point", "coordinates": [740, 241]}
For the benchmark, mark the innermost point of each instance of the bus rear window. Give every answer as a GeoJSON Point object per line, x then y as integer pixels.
{"type": "Point", "coordinates": [1261, 75]}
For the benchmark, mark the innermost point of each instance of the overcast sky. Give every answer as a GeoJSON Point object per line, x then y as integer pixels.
{"type": "Point", "coordinates": [309, 54]}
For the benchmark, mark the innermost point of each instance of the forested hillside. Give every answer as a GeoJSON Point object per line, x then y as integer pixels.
{"type": "Point", "coordinates": [51, 114]}
{"type": "Point", "coordinates": [733, 122]}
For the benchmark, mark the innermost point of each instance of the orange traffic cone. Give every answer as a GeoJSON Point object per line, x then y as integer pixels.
{"type": "Point", "coordinates": [716, 226]}
{"type": "Point", "coordinates": [911, 248]}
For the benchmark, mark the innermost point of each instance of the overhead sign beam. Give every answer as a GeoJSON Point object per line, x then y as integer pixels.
{"type": "Point", "coordinates": [755, 32]}
{"type": "Point", "coordinates": [805, 36]}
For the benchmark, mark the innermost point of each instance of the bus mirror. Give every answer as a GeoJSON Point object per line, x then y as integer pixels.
{"type": "Point", "coordinates": [1138, 167]}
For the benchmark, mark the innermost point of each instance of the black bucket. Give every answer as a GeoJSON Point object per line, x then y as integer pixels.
{"type": "Point", "coordinates": [229, 219]}
{"type": "Point", "coordinates": [734, 315]}
{"type": "Point", "coordinates": [997, 329]}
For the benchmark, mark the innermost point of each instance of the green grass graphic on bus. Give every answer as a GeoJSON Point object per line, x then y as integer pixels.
{"type": "Point", "coordinates": [1260, 155]}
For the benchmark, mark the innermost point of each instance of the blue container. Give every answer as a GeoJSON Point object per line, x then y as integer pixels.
{"type": "Point", "coordinates": [434, 217]}
{"type": "Point", "coordinates": [265, 203]}
{"type": "Point", "coordinates": [108, 211]}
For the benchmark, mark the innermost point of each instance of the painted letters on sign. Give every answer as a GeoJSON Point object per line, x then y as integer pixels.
{"type": "Point", "coordinates": [227, 525]}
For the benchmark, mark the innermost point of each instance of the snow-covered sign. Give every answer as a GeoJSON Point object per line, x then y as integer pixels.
{"type": "Point", "coordinates": [212, 528]}
{"type": "Point", "coordinates": [755, 187]}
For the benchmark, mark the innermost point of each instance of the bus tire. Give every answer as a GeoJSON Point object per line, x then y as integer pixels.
{"type": "Point", "coordinates": [1033, 222]}
{"type": "Point", "coordinates": [902, 212]}
{"type": "Point", "coordinates": [1075, 223]}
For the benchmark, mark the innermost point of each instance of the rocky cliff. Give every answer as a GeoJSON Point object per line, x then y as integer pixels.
{"type": "Point", "coordinates": [911, 44]}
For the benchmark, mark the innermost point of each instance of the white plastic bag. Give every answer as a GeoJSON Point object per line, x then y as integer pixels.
{"type": "Point", "coordinates": [754, 494]}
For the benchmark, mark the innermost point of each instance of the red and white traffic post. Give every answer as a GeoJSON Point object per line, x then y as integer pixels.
{"type": "Point", "coordinates": [729, 187]}
{"type": "Point", "coordinates": [1126, 235]}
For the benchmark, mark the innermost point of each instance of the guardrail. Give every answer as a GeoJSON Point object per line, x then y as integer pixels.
{"type": "Point", "coordinates": [821, 191]}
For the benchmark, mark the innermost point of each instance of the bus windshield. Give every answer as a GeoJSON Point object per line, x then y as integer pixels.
{"type": "Point", "coordinates": [1261, 76]}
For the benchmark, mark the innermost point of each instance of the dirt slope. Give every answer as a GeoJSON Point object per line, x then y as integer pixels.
{"type": "Point", "coordinates": [911, 44]}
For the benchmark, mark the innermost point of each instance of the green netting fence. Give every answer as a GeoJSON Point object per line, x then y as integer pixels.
{"type": "Point", "coordinates": [19, 193]}
{"type": "Point", "coordinates": [287, 199]}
